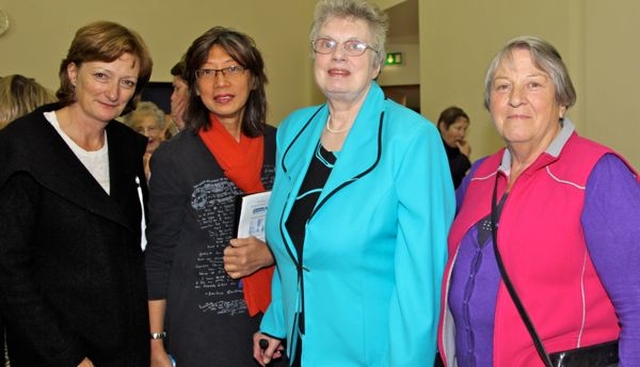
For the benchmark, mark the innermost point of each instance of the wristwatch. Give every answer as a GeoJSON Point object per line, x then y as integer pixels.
{"type": "Point", "coordinates": [161, 335]}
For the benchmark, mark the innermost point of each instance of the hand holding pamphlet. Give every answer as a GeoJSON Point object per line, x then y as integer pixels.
{"type": "Point", "coordinates": [251, 215]}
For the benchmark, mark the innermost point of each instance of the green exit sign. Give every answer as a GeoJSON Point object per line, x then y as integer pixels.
{"type": "Point", "coordinates": [393, 58]}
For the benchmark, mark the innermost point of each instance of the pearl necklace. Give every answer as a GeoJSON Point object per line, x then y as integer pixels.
{"type": "Point", "coordinates": [339, 131]}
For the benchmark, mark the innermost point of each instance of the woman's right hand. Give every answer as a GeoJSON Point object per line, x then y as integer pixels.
{"type": "Point", "coordinates": [159, 356]}
{"type": "Point", "coordinates": [245, 256]}
{"type": "Point", "coordinates": [464, 147]}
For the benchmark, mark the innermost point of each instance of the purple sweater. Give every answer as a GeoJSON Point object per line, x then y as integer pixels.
{"type": "Point", "coordinates": [611, 221]}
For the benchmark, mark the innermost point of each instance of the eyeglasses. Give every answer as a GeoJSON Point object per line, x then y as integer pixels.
{"type": "Point", "coordinates": [229, 72]}
{"type": "Point", "coordinates": [325, 45]}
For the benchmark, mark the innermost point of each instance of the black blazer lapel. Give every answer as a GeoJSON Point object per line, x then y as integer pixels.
{"type": "Point", "coordinates": [126, 171]}
{"type": "Point", "coordinates": [58, 169]}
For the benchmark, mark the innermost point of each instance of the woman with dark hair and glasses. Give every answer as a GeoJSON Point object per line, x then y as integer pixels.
{"type": "Point", "coordinates": [359, 212]}
{"type": "Point", "coordinates": [206, 288]}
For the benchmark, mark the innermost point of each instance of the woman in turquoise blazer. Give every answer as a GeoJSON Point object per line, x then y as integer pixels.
{"type": "Point", "coordinates": [359, 214]}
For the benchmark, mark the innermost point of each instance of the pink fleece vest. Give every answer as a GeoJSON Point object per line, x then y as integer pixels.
{"type": "Point", "coordinates": [544, 252]}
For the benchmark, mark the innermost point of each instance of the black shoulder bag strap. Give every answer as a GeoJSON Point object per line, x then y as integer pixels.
{"type": "Point", "coordinates": [507, 281]}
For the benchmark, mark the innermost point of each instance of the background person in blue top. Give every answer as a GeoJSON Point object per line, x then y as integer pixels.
{"type": "Point", "coordinates": [356, 222]}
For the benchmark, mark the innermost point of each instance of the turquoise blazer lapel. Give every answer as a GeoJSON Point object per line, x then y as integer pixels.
{"type": "Point", "coordinates": [359, 155]}
{"type": "Point", "coordinates": [362, 148]}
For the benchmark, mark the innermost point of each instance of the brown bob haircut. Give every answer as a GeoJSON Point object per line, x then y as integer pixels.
{"type": "Point", "coordinates": [105, 41]}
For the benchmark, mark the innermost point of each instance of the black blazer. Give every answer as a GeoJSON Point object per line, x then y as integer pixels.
{"type": "Point", "coordinates": [72, 280]}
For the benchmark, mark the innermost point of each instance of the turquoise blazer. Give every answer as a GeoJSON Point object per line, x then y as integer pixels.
{"type": "Point", "coordinates": [375, 245]}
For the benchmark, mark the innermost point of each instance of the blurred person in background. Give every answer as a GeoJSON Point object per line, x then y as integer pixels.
{"type": "Point", "coordinates": [20, 95]}
{"type": "Point", "coordinates": [179, 97]}
{"type": "Point", "coordinates": [452, 124]}
{"type": "Point", "coordinates": [149, 120]}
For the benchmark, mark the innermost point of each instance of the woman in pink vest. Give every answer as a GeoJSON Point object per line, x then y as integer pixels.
{"type": "Point", "coordinates": [563, 213]}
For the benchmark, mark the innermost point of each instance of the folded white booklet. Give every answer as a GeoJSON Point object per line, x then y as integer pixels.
{"type": "Point", "coordinates": [252, 212]}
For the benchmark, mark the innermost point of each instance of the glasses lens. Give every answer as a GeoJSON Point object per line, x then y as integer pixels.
{"type": "Point", "coordinates": [234, 70]}
{"type": "Point", "coordinates": [324, 45]}
{"type": "Point", "coordinates": [230, 71]}
{"type": "Point", "coordinates": [355, 48]}
{"type": "Point", "coordinates": [203, 73]}
{"type": "Point", "coordinates": [328, 45]}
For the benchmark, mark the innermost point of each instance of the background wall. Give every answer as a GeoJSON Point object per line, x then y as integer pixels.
{"type": "Point", "coordinates": [447, 56]}
{"type": "Point", "coordinates": [610, 94]}
{"type": "Point", "coordinates": [406, 74]}
{"type": "Point", "coordinates": [41, 32]}
{"type": "Point", "coordinates": [459, 39]}
{"type": "Point", "coordinates": [597, 40]}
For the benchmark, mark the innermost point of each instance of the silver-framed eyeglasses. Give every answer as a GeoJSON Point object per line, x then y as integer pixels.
{"type": "Point", "coordinates": [326, 45]}
{"type": "Point", "coordinates": [229, 72]}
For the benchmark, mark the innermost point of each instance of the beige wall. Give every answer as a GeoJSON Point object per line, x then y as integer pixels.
{"type": "Point", "coordinates": [458, 42]}
{"type": "Point", "coordinates": [41, 32]}
{"type": "Point", "coordinates": [611, 95]}
{"type": "Point", "coordinates": [408, 72]}
{"type": "Point", "coordinates": [598, 41]}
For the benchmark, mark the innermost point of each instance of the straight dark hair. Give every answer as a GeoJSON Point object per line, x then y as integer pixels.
{"type": "Point", "coordinates": [450, 115]}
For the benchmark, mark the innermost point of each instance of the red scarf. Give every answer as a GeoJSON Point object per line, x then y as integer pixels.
{"type": "Point", "coordinates": [242, 164]}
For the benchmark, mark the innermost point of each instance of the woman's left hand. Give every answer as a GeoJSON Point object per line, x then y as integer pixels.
{"type": "Point", "coordinates": [273, 350]}
{"type": "Point", "coordinates": [245, 256]}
